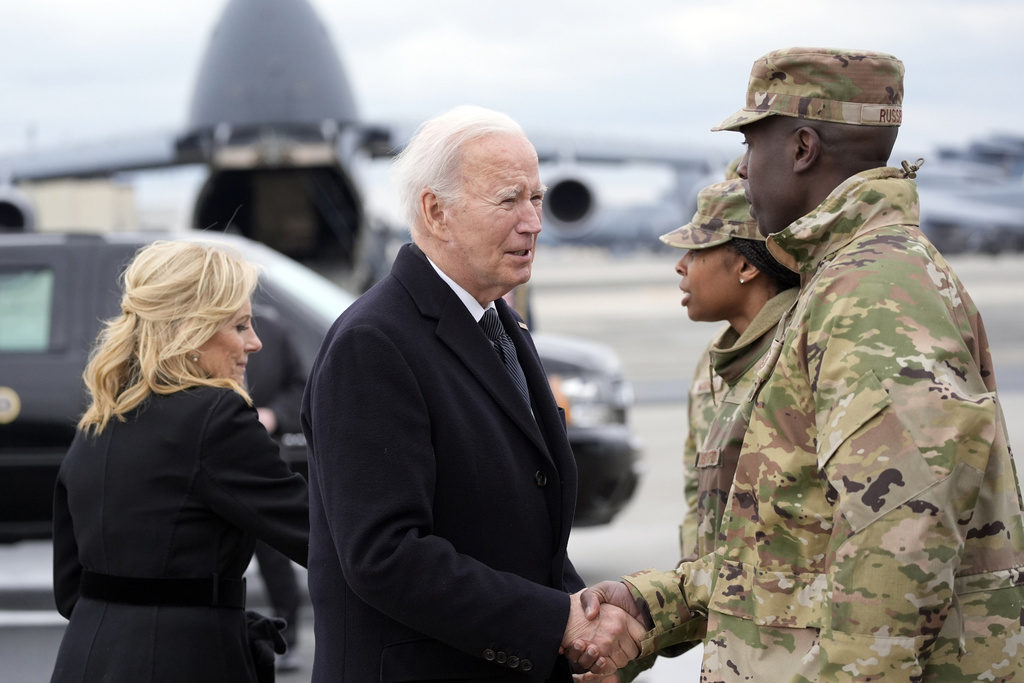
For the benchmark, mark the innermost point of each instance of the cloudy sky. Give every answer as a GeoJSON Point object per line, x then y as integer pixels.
{"type": "Point", "coordinates": [78, 72]}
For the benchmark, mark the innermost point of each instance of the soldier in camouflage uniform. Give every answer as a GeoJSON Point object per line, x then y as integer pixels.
{"type": "Point", "coordinates": [875, 527]}
{"type": "Point", "coordinates": [735, 279]}
{"type": "Point", "coordinates": [727, 274]}
{"type": "Point", "coordinates": [700, 404]}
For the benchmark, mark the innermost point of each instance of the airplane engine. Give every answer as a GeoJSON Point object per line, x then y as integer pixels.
{"type": "Point", "coordinates": [16, 212]}
{"type": "Point", "coordinates": [570, 206]}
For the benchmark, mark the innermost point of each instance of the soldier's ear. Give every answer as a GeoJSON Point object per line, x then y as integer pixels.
{"type": "Point", "coordinates": [806, 149]}
{"type": "Point", "coordinates": [748, 271]}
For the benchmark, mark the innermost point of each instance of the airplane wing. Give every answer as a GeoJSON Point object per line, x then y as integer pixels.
{"type": "Point", "coordinates": [93, 160]}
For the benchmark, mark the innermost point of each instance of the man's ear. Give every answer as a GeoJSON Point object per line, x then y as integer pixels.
{"type": "Point", "coordinates": [807, 149]}
{"type": "Point", "coordinates": [435, 218]}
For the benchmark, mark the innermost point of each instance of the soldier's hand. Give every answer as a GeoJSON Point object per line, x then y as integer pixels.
{"type": "Point", "coordinates": [610, 593]}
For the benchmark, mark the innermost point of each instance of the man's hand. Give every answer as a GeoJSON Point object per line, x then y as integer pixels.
{"type": "Point", "coordinates": [601, 643]}
{"type": "Point", "coordinates": [611, 593]}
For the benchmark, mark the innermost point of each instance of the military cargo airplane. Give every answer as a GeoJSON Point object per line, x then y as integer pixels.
{"type": "Point", "coordinates": [274, 120]}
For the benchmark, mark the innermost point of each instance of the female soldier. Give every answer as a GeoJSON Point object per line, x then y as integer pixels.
{"type": "Point", "coordinates": [727, 274]}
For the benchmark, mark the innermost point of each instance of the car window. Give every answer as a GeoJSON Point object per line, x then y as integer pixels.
{"type": "Point", "coordinates": [26, 305]}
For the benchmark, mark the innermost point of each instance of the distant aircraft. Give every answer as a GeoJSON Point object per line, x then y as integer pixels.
{"type": "Point", "coordinates": [274, 120]}
{"type": "Point", "coordinates": [972, 199]}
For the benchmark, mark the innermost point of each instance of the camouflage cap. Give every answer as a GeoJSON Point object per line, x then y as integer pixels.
{"type": "Point", "coordinates": [723, 213]}
{"type": "Point", "coordinates": [843, 86]}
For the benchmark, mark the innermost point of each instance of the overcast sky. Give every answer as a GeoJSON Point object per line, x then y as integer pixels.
{"type": "Point", "coordinates": [78, 72]}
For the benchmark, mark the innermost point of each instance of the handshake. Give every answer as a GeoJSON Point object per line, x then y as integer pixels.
{"type": "Point", "coordinates": [604, 630]}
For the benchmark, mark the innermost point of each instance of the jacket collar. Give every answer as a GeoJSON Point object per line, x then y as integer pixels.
{"type": "Point", "coordinates": [732, 356]}
{"type": "Point", "coordinates": [866, 201]}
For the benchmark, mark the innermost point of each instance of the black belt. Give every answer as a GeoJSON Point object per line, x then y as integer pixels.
{"type": "Point", "coordinates": [211, 591]}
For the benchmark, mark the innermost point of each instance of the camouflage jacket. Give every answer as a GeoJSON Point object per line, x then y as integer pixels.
{"type": "Point", "coordinates": [875, 527]}
{"type": "Point", "coordinates": [719, 412]}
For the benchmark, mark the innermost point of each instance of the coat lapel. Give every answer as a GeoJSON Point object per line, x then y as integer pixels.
{"type": "Point", "coordinates": [457, 330]}
{"type": "Point", "coordinates": [547, 414]}
{"type": "Point", "coordinates": [467, 340]}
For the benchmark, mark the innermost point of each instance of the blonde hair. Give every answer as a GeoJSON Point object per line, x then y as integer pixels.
{"type": "Point", "coordinates": [176, 296]}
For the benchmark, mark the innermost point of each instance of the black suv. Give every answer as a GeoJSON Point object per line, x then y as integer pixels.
{"type": "Point", "coordinates": [56, 288]}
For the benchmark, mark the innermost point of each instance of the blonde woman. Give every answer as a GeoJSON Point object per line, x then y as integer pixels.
{"type": "Point", "coordinates": [169, 482]}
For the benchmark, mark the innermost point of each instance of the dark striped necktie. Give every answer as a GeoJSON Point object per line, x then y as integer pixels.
{"type": "Point", "coordinates": [506, 350]}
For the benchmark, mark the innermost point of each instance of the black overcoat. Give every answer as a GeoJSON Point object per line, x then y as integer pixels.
{"type": "Point", "coordinates": [182, 489]}
{"type": "Point", "coordinates": [440, 507]}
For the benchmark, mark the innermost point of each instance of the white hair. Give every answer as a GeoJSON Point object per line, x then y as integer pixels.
{"type": "Point", "coordinates": [433, 158]}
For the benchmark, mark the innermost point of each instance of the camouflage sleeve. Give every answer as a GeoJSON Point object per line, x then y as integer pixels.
{"type": "Point", "coordinates": [905, 426]}
{"type": "Point", "coordinates": [677, 601]}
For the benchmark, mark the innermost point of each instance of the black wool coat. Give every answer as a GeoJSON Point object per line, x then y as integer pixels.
{"type": "Point", "coordinates": [182, 489]}
{"type": "Point", "coordinates": [440, 507]}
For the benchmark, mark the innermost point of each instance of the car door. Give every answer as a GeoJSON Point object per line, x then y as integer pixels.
{"type": "Point", "coordinates": [41, 361]}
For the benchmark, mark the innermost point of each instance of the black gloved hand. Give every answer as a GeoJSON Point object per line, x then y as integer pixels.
{"type": "Point", "coordinates": [265, 639]}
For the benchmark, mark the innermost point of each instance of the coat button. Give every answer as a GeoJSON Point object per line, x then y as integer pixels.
{"type": "Point", "coordinates": [513, 662]}
{"type": "Point", "coordinates": [540, 478]}
{"type": "Point", "coordinates": [525, 665]}
{"type": "Point", "coordinates": [489, 655]}
{"type": "Point", "coordinates": [500, 657]}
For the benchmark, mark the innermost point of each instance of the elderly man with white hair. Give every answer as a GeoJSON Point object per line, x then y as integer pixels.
{"type": "Point", "coordinates": [442, 484]}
